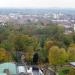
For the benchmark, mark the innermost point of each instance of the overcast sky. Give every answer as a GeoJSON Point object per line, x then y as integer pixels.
{"type": "Point", "coordinates": [37, 3]}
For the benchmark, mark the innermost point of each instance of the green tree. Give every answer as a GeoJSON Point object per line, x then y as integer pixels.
{"type": "Point", "coordinates": [26, 44]}
{"type": "Point", "coordinates": [71, 72]}
{"type": "Point", "coordinates": [43, 54]}
{"type": "Point", "coordinates": [7, 45]}
{"type": "Point", "coordinates": [67, 40]}
{"type": "Point", "coordinates": [22, 42]}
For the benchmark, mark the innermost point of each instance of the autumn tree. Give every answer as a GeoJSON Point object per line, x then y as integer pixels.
{"type": "Point", "coordinates": [57, 56]}
{"type": "Point", "coordinates": [26, 44]}
{"type": "Point", "coordinates": [63, 56]}
{"type": "Point", "coordinates": [49, 44]}
{"type": "Point", "coordinates": [4, 55]}
{"type": "Point", "coordinates": [71, 52]}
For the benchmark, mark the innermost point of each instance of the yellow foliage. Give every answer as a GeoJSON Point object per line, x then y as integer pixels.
{"type": "Point", "coordinates": [57, 56]}
{"type": "Point", "coordinates": [4, 55]}
{"type": "Point", "coordinates": [49, 44]}
{"type": "Point", "coordinates": [71, 53]}
{"type": "Point", "coordinates": [72, 45]}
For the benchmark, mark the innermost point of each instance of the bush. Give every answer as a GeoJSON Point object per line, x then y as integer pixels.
{"type": "Point", "coordinates": [66, 71]}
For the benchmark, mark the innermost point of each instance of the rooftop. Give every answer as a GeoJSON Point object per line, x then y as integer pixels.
{"type": "Point", "coordinates": [10, 66]}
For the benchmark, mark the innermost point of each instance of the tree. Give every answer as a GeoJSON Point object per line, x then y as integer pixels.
{"type": "Point", "coordinates": [57, 56]}
{"type": "Point", "coordinates": [7, 45]}
{"type": "Point", "coordinates": [63, 56]}
{"type": "Point", "coordinates": [4, 55]}
{"type": "Point", "coordinates": [71, 72]}
{"type": "Point", "coordinates": [23, 42]}
{"type": "Point", "coordinates": [29, 54]}
{"type": "Point", "coordinates": [71, 52]}
{"type": "Point", "coordinates": [42, 40]}
{"type": "Point", "coordinates": [67, 40]}
{"type": "Point", "coordinates": [56, 32]}
{"type": "Point", "coordinates": [49, 44]}
{"type": "Point", "coordinates": [43, 55]}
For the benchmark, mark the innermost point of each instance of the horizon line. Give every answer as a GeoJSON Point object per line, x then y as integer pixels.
{"type": "Point", "coordinates": [36, 8]}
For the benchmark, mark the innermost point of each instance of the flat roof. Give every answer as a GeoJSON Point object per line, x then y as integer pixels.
{"type": "Point", "coordinates": [72, 63]}
{"type": "Point", "coordinates": [3, 74]}
{"type": "Point", "coordinates": [10, 66]}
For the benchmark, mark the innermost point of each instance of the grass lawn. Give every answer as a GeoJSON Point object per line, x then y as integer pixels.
{"type": "Point", "coordinates": [64, 70]}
